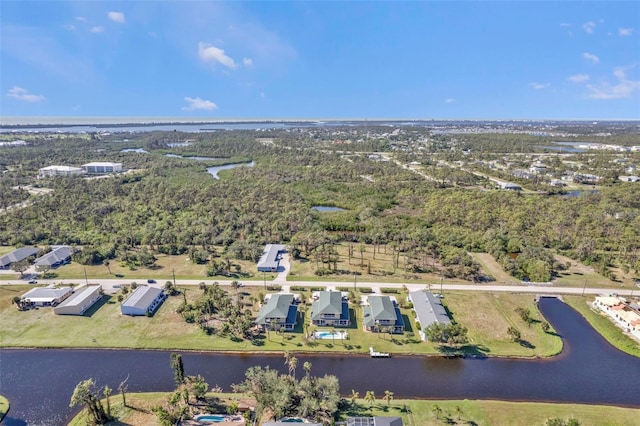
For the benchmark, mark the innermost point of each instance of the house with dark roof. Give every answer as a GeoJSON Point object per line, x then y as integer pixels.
{"type": "Point", "coordinates": [331, 309]}
{"type": "Point", "coordinates": [280, 311]}
{"type": "Point", "coordinates": [381, 314]}
{"type": "Point", "coordinates": [58, 256]}
{"type": "Point", "coordinates": [428, 309]}
{"type": "Point", "coordinates": [270, 259]}
{"type": "Point", "coordinates": [143, 301]}
{"type": "Point", "coordinates": [82, 299]}
{"type": "Point", "coordinates": [18, 255]}
{"type": "Point", "coordinates": [45, 296]}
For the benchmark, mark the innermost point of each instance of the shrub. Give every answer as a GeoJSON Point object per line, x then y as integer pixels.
{"type": "Point", "coordinates": [389, 290]}
{"type": "Point", "coordinates": [365, 290]}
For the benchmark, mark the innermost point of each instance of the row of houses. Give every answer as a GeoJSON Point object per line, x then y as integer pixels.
{"type": "Point", "coordinates": [351, 421]}
{"type": "Point", "coordinates": [331, 308]}
{"type": "Point", "coordinates": [94, 168]}
{"type": "Point", "coordinates": [142, 301]}
{"type": "Point", "coordinates": [58, 256]}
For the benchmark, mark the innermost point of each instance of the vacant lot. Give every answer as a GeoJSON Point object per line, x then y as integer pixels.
{"type": "Point", "coordinates": [487, 316]}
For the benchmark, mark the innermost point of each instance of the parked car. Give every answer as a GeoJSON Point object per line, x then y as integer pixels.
{"type": "Point", "coordinates": [33, 282]}
{"type": "Point", "coordinates": [151, 281]}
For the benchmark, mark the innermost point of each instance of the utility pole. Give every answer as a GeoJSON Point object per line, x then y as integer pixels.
{"type": "Point", "coordinates": [173, 272]}
{"type": "Point", "coordinates": [86, 280]}
{"type": "Point", "coordinates": [355, 279]}
{"type": "Point", "coordinates": [441, 282]}
{"type": "Point", "coordinates": [585, 287]}
{"type": "Point", "coordinates": [264, 278]}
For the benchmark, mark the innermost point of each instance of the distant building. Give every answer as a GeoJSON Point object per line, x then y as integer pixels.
{"type": "Point", "coordinates": [428, 309]}
{"type": "Point", "coordinates": [58, 256]}
{"type": "Point", "coordinates": [373, 421]}
{"type": "Point", "coordinates": [382, 313]}
{"type": "Point", "coordinates": [52, 171]}
{"type": "Point", "coordinates": [270, 259]}
{"type": "Point", "coordinates": [18, 255]}
{"type": "Point", "coordinates": [629, 178]}
{"type": "Point", "coordinates": [45, 296]}
{"type": "Point", "coordinates": [143, 300]}
{"type": "Point", "coordinates": [81, 300]}
{"type": "Point", "coordinates": [509, 186]}
{"type": "Point", "coordinates": [280, 311]}
{"type": "Point", "coordinates": [101, 168]}
{"type": "Point", "coordinates": [624, 314]}
{"type": "Point", "coordinates": [331, 309]}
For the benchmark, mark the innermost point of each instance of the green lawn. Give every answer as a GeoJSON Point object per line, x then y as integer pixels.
{"type": "Point", "coordinates": [604, 325]}
{"type": "Point", "coordinates": [4, 407]}
{"type": "Point", "coordinates": [104, 326]}
{"type": "Point", "coordinates": [413, 412]}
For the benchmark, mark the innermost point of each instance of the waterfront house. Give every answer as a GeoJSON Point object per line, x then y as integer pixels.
{"type": "Point", "coordinates": [280, 311]}
{"type": "Point", "coordinates": [331, 309]}
{"type": "Point", "coordinates": [82, 299]}
{"type": "Point", "coordinates": [270, 259]}
{"type": "Point", "coordinates": [373, 421]}
{"type": "Point", "coordinates": [58, 256]}
{"type": "Point", "coordinates": [45, 296]}
{"type": "Point", "coordinates": [17, 255]}
{"type": "Point", "coordinates": [428, 309]}
{"type": "Point", "coordinates": [620, 312]}
{"type": "Point", "coordinates": [381, 314]}
{"type": "Point", "coordinates": [143, 301]}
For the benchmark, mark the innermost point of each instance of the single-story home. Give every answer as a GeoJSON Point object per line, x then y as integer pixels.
{"type": "Point", "coordinates": [280, 311]}
{"type": "Point", "coordinates": [143, 300]}
{"type": "Point", "coordinates": [331, 309]}
{"type": "Point", "coordinates": [18, 255]}
{"type": "Point", "coordinates": [374, 421]}
{"type": "Point", "coordinates": [428, 309]}
{"type": "Point", "coordinates": [270, 259]}
{"type": "Point", "coordinates": [382, 314]}
{"type": "Point", "coordinates": [46, 296]}
{"type": "Point", "coordinates": [58, 256]}
{"type": "Point", "coordinates": [81, 300]}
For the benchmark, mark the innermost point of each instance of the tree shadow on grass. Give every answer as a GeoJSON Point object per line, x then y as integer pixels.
{"type": "Point", "coordinates": [526, 344]}
{"type": "Point", "coordinates": [465, 351]}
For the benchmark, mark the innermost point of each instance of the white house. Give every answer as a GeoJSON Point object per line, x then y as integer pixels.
{"type": "Point", "coordinates": [101, 168]}
{"type": "Point", "coordinates": [51, 171]}
{"type": "Point", "coordinates": [81, 300]}
{"type": "Point", "coordinates": [46, 296]}
{"type": "Point", "coordinates": [144, 300]}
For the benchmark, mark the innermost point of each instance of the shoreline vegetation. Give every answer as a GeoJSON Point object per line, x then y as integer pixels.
{"type": "Point", "coordinates": [4, 407]}
{"type": "Point", "coordinates": [414, 412]}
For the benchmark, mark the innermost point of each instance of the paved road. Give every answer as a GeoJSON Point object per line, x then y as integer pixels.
{"type": "Point", "coordinates": [111, 285]}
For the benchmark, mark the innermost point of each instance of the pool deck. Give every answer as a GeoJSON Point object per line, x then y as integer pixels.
{"type": "Point", "coordinates": [234, 420]}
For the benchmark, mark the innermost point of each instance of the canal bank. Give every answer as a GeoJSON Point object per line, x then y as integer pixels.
{"type": "Point", "coordinates": [39, 382]}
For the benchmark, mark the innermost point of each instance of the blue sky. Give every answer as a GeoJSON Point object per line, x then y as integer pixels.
{"type": "Point", "coordinates": [296, 59]}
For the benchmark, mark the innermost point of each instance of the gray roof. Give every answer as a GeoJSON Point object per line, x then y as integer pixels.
{"type": "Point", "coordinates": [381, 308]}
{"type": "Point", "coordinates": [80, 296]}
{"type": "Point", "coordinates": [329, 302]}
{"type": "Point", "coordinates": [17, 255]}
{"type": "Point", "coordinates": [57, 255]}
{"type": "Point", "coordinates": [428, 308]}
{"type": "Point", "coordinates": [374, 421]}
{"type": "Point", "coordinates": [269, 258]}
{"type": "Point", "coordinates": [46, 293]}
{"type": "Point", "coordinates": [289, 424]}
{"type": "Point", "coordinates": [142, 297]}
{"type": "Point", "coordinates": [276, 307]}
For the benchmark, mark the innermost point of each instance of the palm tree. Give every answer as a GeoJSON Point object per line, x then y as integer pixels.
{"type": "Point", "coordinates": [293, 364]}
{"type": "Point", "coordinates": [388, 396]}
{"type": "Point", "coordinates": [370, 397]}
{"type": "Point", "coordinates": [307, 368]}
{"type": "Point", "coordinates": [354, 396]}
{"type": "Point", "coordinates": [458, 411]}
{"type": "Point", "coordinates": [107, 393]}
{"type": "Point", "coordinates": [107, 263]}
{"type": "Point", "coordinates": [437, 411]}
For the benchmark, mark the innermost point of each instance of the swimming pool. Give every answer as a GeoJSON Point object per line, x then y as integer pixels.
{"type": "Point", "coordinates": [323, 335]}
{"type": "Point", "coordinates": [211, 418]}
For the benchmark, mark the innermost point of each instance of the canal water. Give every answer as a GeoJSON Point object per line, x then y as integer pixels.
{"type": "Point", "coordinates": [39, 383]}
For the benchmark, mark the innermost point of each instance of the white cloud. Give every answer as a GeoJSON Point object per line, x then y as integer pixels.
{"type": "Point", "coordinates": [588, 27]}
{"type": "Point", "coordinates": [625, 32]}
{"type": "Point", "coordinates": [247, 62]}
{"type": "Point", "coordinates": [539, 86]}
{"type": "Point", "coordinates": [198, 103]}
{"type": "Point", "coordinates": [81, 19]}
{"type": "Point", "coordinates": [212, 54]}
{"type": "Point", "coordinates": [97, 30]}
{"type": "Point", "coordinates": [23, 95]}
{"type": "Point", "coordinates": [591, 57]}
{"type": "Point", "coordinates": [620, 89]}
{"type": "Point", "coordinates": [578, 78]}
{"type": "Point", "coordinates": [116, 17]}
{"type": "Point", "coordinates": [449, 100]}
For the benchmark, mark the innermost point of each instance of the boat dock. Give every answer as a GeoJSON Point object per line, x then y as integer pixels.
{"type": "Point", "coordinates": [375, 354]}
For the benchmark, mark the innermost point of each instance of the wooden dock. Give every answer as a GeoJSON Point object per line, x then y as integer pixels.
{"type": "Point", "coordinates": [375, 354]}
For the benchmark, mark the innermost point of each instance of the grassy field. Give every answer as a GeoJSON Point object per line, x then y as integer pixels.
{"type": "Point", "coordinates": [414, 412]}
{"type": "Point", "coordinates": [104, 326]}
{"type": "Point", "coordinates": [604, 325]}
{"type": "Point", "coordinates": [4, 407]}
{"type": "Point", "coordinates": [493, 268]}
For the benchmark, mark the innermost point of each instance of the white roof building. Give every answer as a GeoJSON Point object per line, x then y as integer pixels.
{"type": "Point", "coordinates": [50, 171]}
{"type": "Point", "coordinates": [81, 300]}
{"type": "Point", "coordinates": [102, 168]}
{"type": "Point", "coordinates": [46, 296]}
{"type": "Point", "coordinates": [144, 300]}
